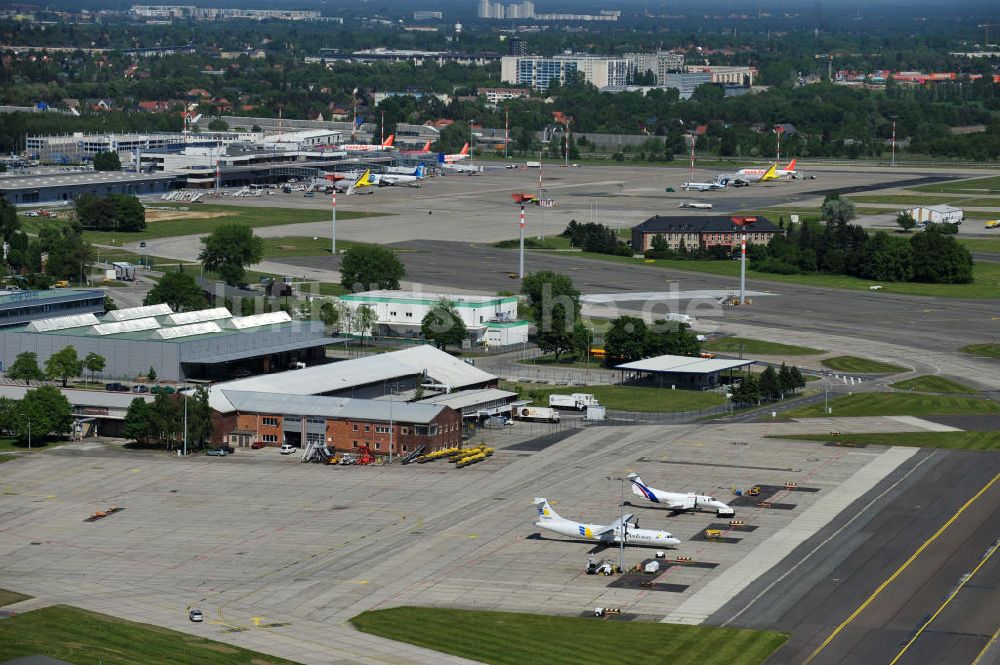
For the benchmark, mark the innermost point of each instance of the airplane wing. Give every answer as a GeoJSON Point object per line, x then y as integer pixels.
{"type": "Point", "coordinates": [618, 522]}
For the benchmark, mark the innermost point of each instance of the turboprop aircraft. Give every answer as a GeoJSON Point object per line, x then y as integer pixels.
{"type": "Point", "coordinates": [678, 501]}
{"type": "Point", "coordinates": [621, 530]}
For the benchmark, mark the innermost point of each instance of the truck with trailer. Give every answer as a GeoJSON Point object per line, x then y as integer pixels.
{"type": "Point", "coordinates": [536, 413]}
{"type": "Point", "coordinates": [576, 401]}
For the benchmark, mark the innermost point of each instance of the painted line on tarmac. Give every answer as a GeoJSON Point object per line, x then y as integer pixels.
{"type": "Point", "coordinates": [899, 571]}
{"type": "Point", "coordinates": [947, 600]}
{"type": "Point", "coordinates": [993, 640]}
{"type": "Point", "coordinates": [831, 537]}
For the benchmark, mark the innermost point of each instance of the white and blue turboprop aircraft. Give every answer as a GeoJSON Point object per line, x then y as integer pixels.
{"type": "Point", "coordinates": [614, 533]}
{"type": "Point", "coordinates": [679, 501]}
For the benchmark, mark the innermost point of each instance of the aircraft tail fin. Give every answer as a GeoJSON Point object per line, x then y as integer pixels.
{"type": "Point", "coordinates": [365, 180]}
{"type": "Point", "coordinates": [420, 170]}
{"type": "Point", "coordinates": [545, 511]}
{"type": "Point", "coordinates": [770, 173]}
{"type": "Point", "coordinates": [639, 488]}
{"type": "Point", "coordinates": [427, 146]}
{"type": "Point", "coordinates": [791, 166]}
{"type": "Point", "coordinates": [388, 142]}
{"type": "Point", "coordinates": [465, 149]}
{"type": "Point", "coordinates": [440, 158]}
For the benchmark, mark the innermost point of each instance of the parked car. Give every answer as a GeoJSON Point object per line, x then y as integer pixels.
{"type": "Point", "coordinates": [196, 615]}
{"type": "Point", "coordinates": [166, 390]}
{"type": "Point", "coordinates": [139, 388]}
{"type": "Point", "coordinates": [257, 445]}
{"type": "Point", "coordinates": [215, 452]}
{"type": "Point", "coordinates": [142, 244]}
{"type": "Point", "coordinates": [116, 387]}
{"type": "Point", "coordinates": [228, 449]}
{"type": "Point", "coordinates": [287, 449]}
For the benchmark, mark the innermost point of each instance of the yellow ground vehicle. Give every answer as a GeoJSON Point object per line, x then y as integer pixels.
{"type": "Point", "coordinates": [993, 223]}
{"type": "Point", "coordinates": [61, 284]}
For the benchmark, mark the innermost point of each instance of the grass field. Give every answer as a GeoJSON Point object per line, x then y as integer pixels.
{"type": "Point", "coordinates": [757, 347]}
{"type": "Point", "coordinates": [11, 597]}
{"type": "Point", "coordinates": [898, 404]}
{"type": "Point", "coordinates": [933, 384]}
{"type": "Point", "coordinates": [902, 199]}
{"type": "Point", "coordinates": [37, 443]}
{"type": "Point", "coordinates": [972, 186]}
{"type": "Point", "coordinates": [982, 244]}
{"type": "Point", "coordinates": [986, 350]}
{"type": "Point", "coordinates": [861, 365]}
{"type": "Point", "coordinates": [198, 223]}
{"type": "Point", "coordinates": [956, 440]}
{"type": "Point", "coordinates": [980, 202]}
{"type": "Point", "coordinates": [503, 638]}
{"type": "Point", "coordinates": [87, 637]}
{"type": "Point", "coordinates": [630, 398]}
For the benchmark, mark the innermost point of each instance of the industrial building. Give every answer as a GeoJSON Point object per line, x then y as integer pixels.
{"type": "Point", "coordinates": [679, 371]}
{"type": "Point", "coordinates": [203, 344]}
{"type": "Point", "coordinates": [64, 187]}
{"type": "Point", "coordinates": [96, 412]}
{"type": "Point", "coordinates": [939, 214]}
{"type": "Point", "coordinates": [421, 395]}
{"type": "Point", "coordinates": [489, 320]}
{"type": "Point", "coordinates": [20, 307]}
{"type": "Point", "coordinates": [703, 232]}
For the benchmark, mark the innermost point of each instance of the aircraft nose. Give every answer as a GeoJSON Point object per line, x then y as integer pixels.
{"type": "Point", "coordinates": [673, 542]}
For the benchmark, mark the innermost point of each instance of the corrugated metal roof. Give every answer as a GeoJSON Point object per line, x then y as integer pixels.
{"type": "Point", "coordinates": [332, 407]}
{"type": "Point", "coordinates": [440, 367]}
{"type": "Point", "coordinates": [463, 398]}
{"type": "Point", "coordinates": [137, 312]}
{"type": "Point", "coordinates": [684, 364]}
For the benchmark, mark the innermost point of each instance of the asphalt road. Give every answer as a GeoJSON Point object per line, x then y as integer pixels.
{"type": "Point", "coordinates": [918, 322]}
{"type": "Point", "coordinates": [826, 592]}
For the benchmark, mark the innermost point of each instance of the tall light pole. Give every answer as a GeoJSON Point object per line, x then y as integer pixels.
{"type": "Point", "coordinates": [621, 523]}
{"type": "Point", "coordinates": [185, 425]}
{"type": "Point", "coordinates": [743, 267]}
{"type": "Point", "coordinates": [333, 224]}
{"type": "Point", "coordinates": [520, 267]}
{"type": "Point", "coordinates": [692, 136]}
{"type": "Point", "coordinates": [29, 433]}
{"type": "Point", "coordinates": [506, 129]}
{"type": "Point", "coordinates": [893, 140]}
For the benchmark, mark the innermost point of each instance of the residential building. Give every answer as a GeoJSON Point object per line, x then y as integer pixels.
{"type": "Point", "coordinates": [495, 95]}
{"type": "Point", "coordinates": [425, 15]}
{"type": "Point", "coordinates": [516, 46]}
{"type": "Point", "coordinates": [538, 71]}
{"type": "Point", "coordinates": [703, 232]}
{"type": "Point", "coordinates": [686, 82]}
{"type": "Point", "coordinates": [727, 74]}
{"type": "Point", "coordinates": [660, 63]}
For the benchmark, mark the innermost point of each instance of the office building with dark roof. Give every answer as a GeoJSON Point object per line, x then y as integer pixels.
{"type": "Point", "coordinates": [704, 232]}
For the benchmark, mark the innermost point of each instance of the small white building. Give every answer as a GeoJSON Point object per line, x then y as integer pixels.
{"type": "Point", "coordinates": [941, 214]}
{"type": "Point", "coordinates": [491, 320]}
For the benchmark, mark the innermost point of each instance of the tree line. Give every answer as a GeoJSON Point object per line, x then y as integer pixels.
{"type": "Point", "coordinates": [161, 422]}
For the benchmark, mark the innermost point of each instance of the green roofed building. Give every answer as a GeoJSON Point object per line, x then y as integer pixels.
{"type": "Point", "coordinates": [490, 320]}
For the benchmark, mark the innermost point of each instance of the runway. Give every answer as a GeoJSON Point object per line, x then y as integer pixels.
{"type": "Point", "coordinates": [908, 579]}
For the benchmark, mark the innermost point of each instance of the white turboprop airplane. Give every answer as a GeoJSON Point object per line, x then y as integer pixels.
{"type": "Point", "coordinates": [699, 206]}
{"type": "Point", "coordinates": [383, 179]}
{"type": "Point", "coordinates": [613, 533]}
{"type": "Point", "coordinates": [787, 172]}
{"type": "Point", "coordinates": [679, 501]}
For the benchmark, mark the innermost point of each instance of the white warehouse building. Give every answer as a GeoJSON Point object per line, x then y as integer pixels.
{"type": "Point", "coordinates": [939, 214]}
{"type": "Point", "coordinates": [490, 320]}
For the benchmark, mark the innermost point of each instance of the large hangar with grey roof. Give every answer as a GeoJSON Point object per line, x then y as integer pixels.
{"type": "Point", "coordinates": [203, 344]}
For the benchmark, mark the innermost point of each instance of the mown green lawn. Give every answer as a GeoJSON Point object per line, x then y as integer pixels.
{"type": "Point", "coordinates": [256, 217]}
{"type": "Point", "coordinates": [979, 202]}
{"type": "Point", "coordinates": [902, 199]}
{"type": "Point", "coordinates": [37, 443]}
{"type": "Point", "coordinates": [82, 637]}
{"type": "Point", "coordinates": [982, 244]}
{"type": "Point", "coordinates": [287, 246]}
{"type": "Point", "coordinates": [955, 440]}
{"type": "Point", "coordinates": [933, 384]}
{"type": "Point", "coordinates": [861, 365]}
{"type": "Point", "coordinates": [972, 186]}
{"type": "Point", "coordinates": [630, 398]}
{"type": "Point", "coordinates": [987, 350]}
{"type": "Point", "coordinates": [503, 638]}
{"type": "Point", "coordinates": [756, 347]}
{"type": "Point", "coordinates": [898, 404]}
{"type": "Point", "coordinates": [11, 597]}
